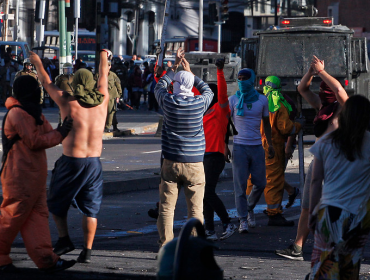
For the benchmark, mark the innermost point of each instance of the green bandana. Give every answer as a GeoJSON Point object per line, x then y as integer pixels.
{"type": "Point", "coordinates": [84, 89]}
{"type": "Point", "coordinates": [272, 90]}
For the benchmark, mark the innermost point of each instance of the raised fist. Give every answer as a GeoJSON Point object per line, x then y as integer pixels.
{"type": "Point", "coordinates": [109, 53]}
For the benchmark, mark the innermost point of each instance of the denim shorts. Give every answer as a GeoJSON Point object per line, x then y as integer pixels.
{"type": "Point", "coordinates": [79, 179]}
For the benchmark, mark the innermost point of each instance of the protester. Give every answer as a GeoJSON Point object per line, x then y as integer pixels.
{"type": "Point", "coordinates": [25, 135]}
{"type": "Point", "coordinates": [6, 73]}
{"type": "Point", "coordinates": [152, 102]}
{"type": "Point", "coordinates": [146, 82]}
{"type": "Point", "coordinates": [328, 103]}
{"type": "Point", "coordinates": [248, 107]}
{"type": "Point", "coordinates": [339, 208]}
{"type": "Point", "coordinates": [49, 67]}
{"type": "Point", "coordinates": [27, 70]}
{"type": "Point", "coordinates": [77, 174]}
{"type": "Point", "coordinates": [215, 122]}
{"type": "Point", "coordinates": [281, 126]}
{"type": "Point", "coordinates": [136, 84]}
{"type": "Point", "coordinates": [183, 145]}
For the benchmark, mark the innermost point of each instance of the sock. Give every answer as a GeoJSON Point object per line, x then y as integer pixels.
{"type": "Point", "coordinates": [297, 248]}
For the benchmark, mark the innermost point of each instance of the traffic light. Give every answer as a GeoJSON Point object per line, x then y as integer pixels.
{"type": "Point", "coordinates": [212, 13]}
{"type": "Point", "coordinates": [224, 10]}
{"type": "Point", "coordinates": [88, 13]}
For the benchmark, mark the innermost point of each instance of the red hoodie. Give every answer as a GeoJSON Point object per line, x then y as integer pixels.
{"type": "Point", "coordinates": [216, 118]}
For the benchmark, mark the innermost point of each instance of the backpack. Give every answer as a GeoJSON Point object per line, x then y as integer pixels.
{"type": "Point", "coordinates": [7, 143]}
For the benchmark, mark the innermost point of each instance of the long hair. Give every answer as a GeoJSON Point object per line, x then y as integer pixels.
{"type": "Point", "coordinates": [353, 122]}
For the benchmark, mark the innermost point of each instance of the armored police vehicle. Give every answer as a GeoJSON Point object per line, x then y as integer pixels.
{"type": "Point", "coordinates": [287, 52]}
{"type": "Point", "coordinates": [202, 64]}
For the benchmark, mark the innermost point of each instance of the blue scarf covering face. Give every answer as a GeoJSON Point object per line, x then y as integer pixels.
{"type": "Point", "coordinates": [246, 93]}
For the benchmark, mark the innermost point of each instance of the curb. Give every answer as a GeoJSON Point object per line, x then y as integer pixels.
{"type": "Point", "coordinates": [143, 184]}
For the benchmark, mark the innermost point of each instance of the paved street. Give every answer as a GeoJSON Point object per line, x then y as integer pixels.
{"type": "Point", "coordinates": [126, 243]}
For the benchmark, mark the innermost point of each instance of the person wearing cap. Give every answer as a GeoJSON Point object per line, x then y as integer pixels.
{"type": "Point", "coordinates": [77, 174]}
{"type": "Point", "coordinates": [115, 92]}
{"type": "Point", "coordinates": [328, 103]}
{"type": "Point", "coordinates": [25, 135]}
{"type": "Point", "coordinates": [248, 108]}
{"type": "Point", "coordinates": [27, 70]}
{"type": "Point", "coordinates": [281, 127]}
{"type": "Point", "coordinates": [183, 144]}
{"type": "Point", "coordinates": [64, 81]}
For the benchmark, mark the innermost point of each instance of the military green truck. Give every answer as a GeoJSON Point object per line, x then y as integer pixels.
{"type": "Point", "coordinates": [286, 51]}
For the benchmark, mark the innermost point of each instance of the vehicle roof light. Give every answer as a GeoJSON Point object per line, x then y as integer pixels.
{"type": "Point", "coordinates": [285, 22]}
{"type": "Point", "coordinates": [327, 21]}
{"type": "Point", "coordinates": [261, 82]}
{"type": "Point", "coordinates": [346, 83]}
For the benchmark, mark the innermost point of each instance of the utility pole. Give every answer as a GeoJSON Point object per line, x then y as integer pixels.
{"type": "Point", "coordinates": [41, 16]}
{"type": "Point", "coordinates": [68, 36]}
{"type": "Point", "coordinates": [276, 14]}
{"type": "Point", "coordinates": [200, 33]}
{"type": "Point", "coordinates": [77, 15]}
{"type": "Point", "coordinates": [5, 27]}
{"type": "Point", "coordinates": [16, 23]}
{"type": "Point", "coordinates": [62, 34]}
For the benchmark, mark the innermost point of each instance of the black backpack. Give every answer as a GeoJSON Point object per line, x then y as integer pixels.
{"type": "Point", "coordinates": [7, 143]}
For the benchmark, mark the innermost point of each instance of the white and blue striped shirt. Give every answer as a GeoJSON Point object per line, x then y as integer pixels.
{"type": "Point", "coordinates": [182, 132]}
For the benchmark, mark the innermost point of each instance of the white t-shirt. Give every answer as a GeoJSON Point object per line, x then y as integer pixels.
{"type": "Point", "coordinates": [346, 184]}
{"type": "Point", "coordinates": [248, 126]}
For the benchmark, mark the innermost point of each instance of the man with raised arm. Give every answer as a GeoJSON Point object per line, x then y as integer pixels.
{"type": "Point", "coordinates": [328, 103]}
{"type": "Point", "coordinates": [77, 174]}
{"type": "Point", "coordinates": [183, 143]}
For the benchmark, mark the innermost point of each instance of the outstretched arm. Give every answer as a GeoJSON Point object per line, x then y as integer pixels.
{"type": "Point", "coordinates": [103, 73]}
{"type": "Point", "coordinates": [334, 84]}
{"type": "Point", "coordinates": [54, 92]}
{"type": "Point", "coordinates": [304, 90]}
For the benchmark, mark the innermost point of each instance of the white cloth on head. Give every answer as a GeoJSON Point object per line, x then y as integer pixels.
{"type": "Point", "coordinates": [183, 84]}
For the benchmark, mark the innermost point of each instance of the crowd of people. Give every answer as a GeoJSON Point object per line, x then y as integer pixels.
{"type": "Point", "coordinates": [335, 206]}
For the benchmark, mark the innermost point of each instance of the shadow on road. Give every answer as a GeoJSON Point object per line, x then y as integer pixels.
{"type": "Point", "coordinates": [35, 274]}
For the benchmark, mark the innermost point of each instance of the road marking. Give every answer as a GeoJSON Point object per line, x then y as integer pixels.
{"type": "Point", "coordinates": [178, 224]}
{"type": "Point", "coordinates": [152, 152]}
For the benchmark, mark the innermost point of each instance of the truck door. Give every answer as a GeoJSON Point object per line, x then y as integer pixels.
{"type": "Point", "coordinates": [360, 66]}
{"type": "Point", "coordinates": [359, 55]}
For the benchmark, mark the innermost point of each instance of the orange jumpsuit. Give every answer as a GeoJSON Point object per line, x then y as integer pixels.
{"type": "Point", "coordinates": [281, 126]}
{"type": "Point", "coordinates": [23, 181]}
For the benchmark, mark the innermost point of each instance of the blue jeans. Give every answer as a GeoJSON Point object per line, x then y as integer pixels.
{"type": "Point", "coordinates": [248, 160]}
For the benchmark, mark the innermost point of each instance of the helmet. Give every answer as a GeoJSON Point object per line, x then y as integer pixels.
{"type": "Point", "coordinates": [67, 68]}
{"type": "Point", "coordinates": [27, 61]}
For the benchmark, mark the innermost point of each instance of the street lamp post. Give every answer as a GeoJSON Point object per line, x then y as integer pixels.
{"type": "Point", "coordinates": [200, 37]}
{"type": "Point", "coordinates": [62, 34]}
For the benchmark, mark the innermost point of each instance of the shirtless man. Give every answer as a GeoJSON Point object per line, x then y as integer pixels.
{"type": "Point", "coordinates": [77, 174]}
{"type": "Point", "coordinates": [328, 103]}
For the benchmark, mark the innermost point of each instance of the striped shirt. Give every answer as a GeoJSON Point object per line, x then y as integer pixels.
{"type": "Point", "coordinates": [182, 132]}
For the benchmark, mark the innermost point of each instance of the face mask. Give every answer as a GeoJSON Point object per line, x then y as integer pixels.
{"type": "Point", "coordinates": [67, 71]}
{"type": "Point", "coordinates": [244, 86]}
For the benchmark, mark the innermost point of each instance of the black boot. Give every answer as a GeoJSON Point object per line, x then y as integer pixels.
{"type": "Point", "coordinates": [85, 256]}
{"type": "Point", "coordinates": [279, 221]}
{"type": "Point", "coordinates": [63, 246]}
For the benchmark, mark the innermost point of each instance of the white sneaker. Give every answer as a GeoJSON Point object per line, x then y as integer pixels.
{"type": "Point", "coordinates": [243, 227]}
{"type": "Point", "coordinates": [251, 219]}
{"type": "Point", "coordinates": [211, 235]}
{"type": "Point", "coordinates": [230, 229]}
